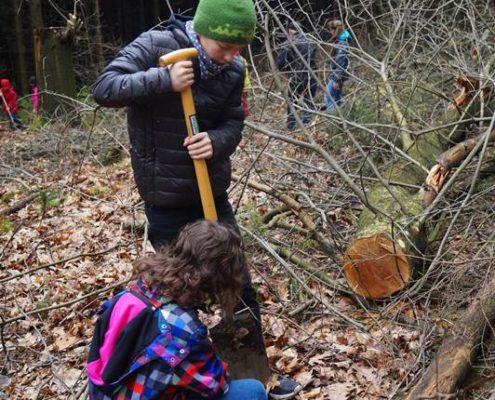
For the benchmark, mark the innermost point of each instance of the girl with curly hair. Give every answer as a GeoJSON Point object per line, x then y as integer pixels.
{"type": "Point", "coordinates": [149, 342]}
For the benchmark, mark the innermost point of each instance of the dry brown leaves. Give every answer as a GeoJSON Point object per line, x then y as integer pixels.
{"type": "Point", "coordinates": [44, 354]}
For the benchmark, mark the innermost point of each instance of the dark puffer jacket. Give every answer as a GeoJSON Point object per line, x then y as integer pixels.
{"type": "Point", "coordinates": [163, 169]}
{"type": "Point", "coordinates": [290, 61]}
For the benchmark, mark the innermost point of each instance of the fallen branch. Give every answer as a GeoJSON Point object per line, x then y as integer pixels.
{"type": "Point", "coordinates": [282, 262]}
{"type": "Point", "coordinates": [449, 159]}
{"type": "Point", "coordinates": [457, 352]}
{"type": "Point", "coordinates": [297, 209]}
{"type": "Point", "coordinates": [289, 255]}
{"type": "Point", "coordinates": [18, 205]}
{"type": "Point", "coordinates": [62, 305]}
{"type": "Point", "coordinates": [30, 271]}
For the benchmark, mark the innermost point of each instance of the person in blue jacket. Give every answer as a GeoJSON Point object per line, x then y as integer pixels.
{"type": "Point", "coordinates": [339, 64]}
{"type": "Point", "coordinates": [296, 56]}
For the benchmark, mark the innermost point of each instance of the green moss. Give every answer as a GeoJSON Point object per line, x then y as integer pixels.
{"type": "Point", "coordinates": [110, 156]}
{"type": "Point", "coordinates": [381, 199]}
{"type": "Point", "coordinates": [309, 244]}
{"type": "Point", "coordinates": [6, 226]}
{"type": "Point", "coordinates": [100, 191]}
{"type": "Point", "coordinates": [6, 197]}
{"type": "Point", "coordinates": [49, 199]}
{"type": "Point", "coordinates": [252, 220]}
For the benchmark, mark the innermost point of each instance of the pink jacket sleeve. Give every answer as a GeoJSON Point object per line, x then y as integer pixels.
{"type": "Point", "coordinates": [34, 99]}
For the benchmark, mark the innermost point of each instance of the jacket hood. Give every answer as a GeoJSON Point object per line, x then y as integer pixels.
{"type": "Point", "coordinates": [178, 21]}
{"type": "Point", "coordinates": [5, 84]}
{"type": "Point", "coordinates": [345, 35]}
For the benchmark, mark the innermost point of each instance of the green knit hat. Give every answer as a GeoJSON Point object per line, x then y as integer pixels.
{"type": "Point", "coordinates": [229, 21]}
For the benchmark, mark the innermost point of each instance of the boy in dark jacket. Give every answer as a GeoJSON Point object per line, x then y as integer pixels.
{"type": "Point", "coordinates": [161, 152]}
{"type": "Point", "coordinates": [302, 87]}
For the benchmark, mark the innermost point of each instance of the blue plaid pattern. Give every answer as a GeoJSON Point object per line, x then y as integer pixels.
{"type": "Point", "coordinates": [179, 360]}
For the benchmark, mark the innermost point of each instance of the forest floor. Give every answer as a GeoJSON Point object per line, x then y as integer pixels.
{"type": "Point", "coordinates": [72, 245]}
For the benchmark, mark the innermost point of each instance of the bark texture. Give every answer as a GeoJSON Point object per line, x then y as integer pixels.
{"type": "Point", "coordinates": [381, 257]}
{"type": "Point", "coordinates": [455, 355]}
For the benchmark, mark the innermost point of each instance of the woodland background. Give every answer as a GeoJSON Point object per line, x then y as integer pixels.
{"type": "Point", "coordinates": [71, 221]}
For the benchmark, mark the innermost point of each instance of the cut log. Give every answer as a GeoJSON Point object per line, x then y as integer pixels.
{"type": "Point", "coordinates": [387, 245]}
{"type": "Point", "coordinates": [380, 260]}
{"type": "Point", "coordinates": [381, 257]}
{"type": "Point", "coordinates": [455, 355]}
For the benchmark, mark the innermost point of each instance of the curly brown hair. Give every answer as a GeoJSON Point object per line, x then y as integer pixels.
{"type": "Point", "coordinates": [205, 262]}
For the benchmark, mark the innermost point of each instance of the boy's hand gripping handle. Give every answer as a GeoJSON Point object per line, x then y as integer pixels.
{"type": "Point", "coordinates": [200, 166]}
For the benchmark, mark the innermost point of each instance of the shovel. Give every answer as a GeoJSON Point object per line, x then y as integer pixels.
{"type": "Point", "coordinates": [8, 109]}
{"type": "Point", "coordinates": [237, 342]}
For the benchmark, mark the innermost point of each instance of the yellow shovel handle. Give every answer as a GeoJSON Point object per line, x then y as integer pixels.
{"type": "Point", "coordinates": [200, 167]}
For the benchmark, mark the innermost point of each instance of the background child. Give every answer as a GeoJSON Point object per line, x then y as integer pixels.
{"type": "Point", "coordinates": [149, 342]}
{"type": "Point", "coordinates": [302, 86]}
{"type": "Point", "coordinates": [33, 91]}
{"type": "Point", "coordinates": [339, 64]}
{"type": "Point", "coordinates": [9, 104]}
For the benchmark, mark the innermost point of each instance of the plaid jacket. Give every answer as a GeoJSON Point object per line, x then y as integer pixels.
{"type": "Point", "coordinates": [147, 347]}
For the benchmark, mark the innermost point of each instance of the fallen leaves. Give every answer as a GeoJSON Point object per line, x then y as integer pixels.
{"type": "Point", "coordinates": [90, 228]}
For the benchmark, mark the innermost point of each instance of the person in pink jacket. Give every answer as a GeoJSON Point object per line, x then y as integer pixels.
{"type": "Point", "coordinates": [33, 91]}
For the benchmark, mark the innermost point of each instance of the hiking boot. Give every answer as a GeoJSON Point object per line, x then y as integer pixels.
{"type": "Point", "coordinates": [286, 388]}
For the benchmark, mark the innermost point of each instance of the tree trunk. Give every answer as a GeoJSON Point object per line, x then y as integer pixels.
{"type": "Point", "coordinates": [100, 59]}
{"type": "Point", "coordinates": [156, 11]}
{"type": "Point", "coordinates": [36, 19]}
{"type": "Point", "coordinates": [142, 18]}
{"type": "Point", "coordinates": [21, 75]}
{"type": "Point", "coordinates": [35, 13]}
{"type": "Point", "coordinates": [455, 355]}
{"type": "Point", "coordinates": [380, 260]}
{"type": "Point", "coordinates": [54, 58]}
{"type": "Point", "coordinates": [381, 257]}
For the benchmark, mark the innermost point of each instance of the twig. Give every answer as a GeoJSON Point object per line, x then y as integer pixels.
{"type": "Point", "coordinates": [322, 276]}
{"type": "Point", "coordinates": [297, 208]}
{"type": "Point", "coordinates": [66, 304]}
{"type": "Point", "coordinates": [19, 204]}
{"type": "Point", "coordinates": [30, 271]}
{"type": "Point", "coordinates": [282, 262]}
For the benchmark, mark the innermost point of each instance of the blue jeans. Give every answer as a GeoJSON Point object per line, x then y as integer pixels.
{"type": "Point", "coordinates": [336, 95]}
{"type": "Point", "coordinates": [300, 91]}
{"type": "Point", "coordinates": [240, 389]}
